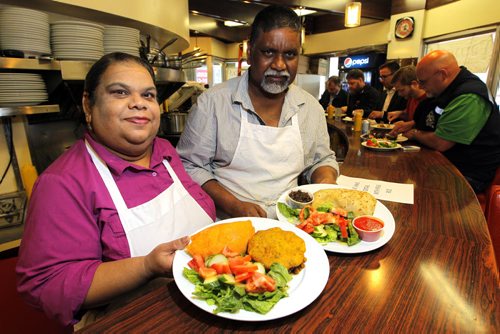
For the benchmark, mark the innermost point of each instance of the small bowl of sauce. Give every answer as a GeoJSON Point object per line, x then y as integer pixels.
{"type": "Point", "coordinates": [298, 199]}
{"type": "Point", "coordinates": [369, 228]}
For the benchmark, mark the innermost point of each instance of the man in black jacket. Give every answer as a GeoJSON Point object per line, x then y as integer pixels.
{"type": "Point", "coordinates": [468, 130]}
{"type": "Point", "coordinates": [390, 99]}
{"type": "Point", "coordinates": [361, 95]}
{"type": "Point", "coordinates": [333, 95]}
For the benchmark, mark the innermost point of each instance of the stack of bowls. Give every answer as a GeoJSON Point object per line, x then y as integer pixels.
{"type": "Point", "coordinates": [24, 30]}
{"type": "Point", "coordinates": [121, 39]}
{"type": "Point", "coordinates": [77, 40]}
{"type": "Point", "coordinates": [22, 89]}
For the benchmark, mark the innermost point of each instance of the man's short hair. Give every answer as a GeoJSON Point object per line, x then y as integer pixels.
{"type": "Point", "coordinates": [405, 75]}
{"type": "Point", "coordinates": [274, 17]}
{"type": "Point", "coordinates": [335, 79]}
{"type": "Point", "coordinates": [392, 65]}
{"type": "Point", "coordinates": [355, 74]}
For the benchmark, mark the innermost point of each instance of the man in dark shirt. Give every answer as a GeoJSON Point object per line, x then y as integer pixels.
{"type": "Point", "coordinates": [333, 94]}
{"type": "Point", "coordinates": [361, 95]}
{"type": "Point", "coordinates": [390, 99]}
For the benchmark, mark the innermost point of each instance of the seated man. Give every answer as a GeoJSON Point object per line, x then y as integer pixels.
{"type": "Point", "coordinates": [419, 112]}
{"type": "Point", "coordinates": [467, 132]}
{"type": "Point", "coordinates": [390, 101]}
{"type": "Point", "coordinates": [248, 139]}
{"type": "Point", "coordinates": [333, 95]}
{"type": "Point", "coordinates": [361, 95]}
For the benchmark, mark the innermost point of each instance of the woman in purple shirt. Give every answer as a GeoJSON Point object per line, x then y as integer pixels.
{"type": "Point", "coordinates": [107, 216]}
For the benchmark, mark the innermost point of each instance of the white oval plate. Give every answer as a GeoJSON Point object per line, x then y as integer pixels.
{"type": "Point", "coordinates": [397, 147]}
{"type": "Point", "coordinates": [381, 212]}
{"type": "Point", "coordinates": [303, 289]}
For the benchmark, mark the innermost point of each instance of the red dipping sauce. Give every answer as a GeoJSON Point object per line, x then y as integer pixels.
{"type": "Point", "coordinates": [369, 224]}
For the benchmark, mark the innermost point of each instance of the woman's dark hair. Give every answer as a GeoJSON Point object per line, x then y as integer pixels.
{"type": "Point", "coordinates": [274, 17]}
{"type": "Point", "coordinates": [95, 73]}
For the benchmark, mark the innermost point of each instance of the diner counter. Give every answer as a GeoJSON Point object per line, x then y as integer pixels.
{"type": "Point", "coordinates": [436, 274]}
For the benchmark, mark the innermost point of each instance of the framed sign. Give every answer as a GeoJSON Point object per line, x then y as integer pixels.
{"type": "Point", "coordinates": [404, 27]}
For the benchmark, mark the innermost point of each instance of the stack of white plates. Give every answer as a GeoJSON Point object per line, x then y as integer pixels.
{"type": "Point", "coordinates": [18, 89]}
{"type": "Point", "coordinates": [121, 39]}
{"type": "Point", "coordinates": [77, 40]}
{"type": "Point", "coordinates": [24, 30]}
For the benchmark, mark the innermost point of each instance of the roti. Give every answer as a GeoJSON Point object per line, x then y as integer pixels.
{"type": "Point", "coordinates": [212, 240]}
{"type": "Point", "coordinates": [359, 202]}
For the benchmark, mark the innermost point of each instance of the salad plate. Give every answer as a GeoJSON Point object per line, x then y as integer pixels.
{"type": "Point", "coordinates": [303, 289]}
{"type": "Point", "coordinates": [381, 212]}
{"type": "Point", "coordinates": [400, 138]}
{"type": "Point", "coordinates": [381, 148]}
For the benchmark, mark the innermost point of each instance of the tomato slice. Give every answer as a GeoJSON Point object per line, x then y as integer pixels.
{"type": "Point", "coordinates": [229, 253]}
{"type": "Point", "coordinates": [243, 268]}
{"type": "Point", "coordinates": [196, 263]}
{"type": "Point", "coordinates": [259, 283]}
{"type": "Point", "coordinates": [242, 277]}
{"type": "Point", "coordinates": [207, 272]}
{"type": "Point", "coordinates": [221, 268]}
{"type": "Point", "coordinates": [343, 228]}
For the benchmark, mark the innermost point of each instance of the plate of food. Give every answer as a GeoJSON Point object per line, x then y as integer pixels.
{"type": "Point", "coordinates": [344, 205]}
{"type": "Point", "coordinates": [245, 252]}
{"type": "Point", "coordinates": [399, 139]}
{"type": "Point", "coordinates": [383, 126]}
{"type": "Point", "coordinates": [347, 119]}
{"type": "Point", "coordinates": [381, 145]}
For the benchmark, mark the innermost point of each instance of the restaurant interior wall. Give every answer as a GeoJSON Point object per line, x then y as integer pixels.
{"type": "Point", "coordinates": [409, 47]}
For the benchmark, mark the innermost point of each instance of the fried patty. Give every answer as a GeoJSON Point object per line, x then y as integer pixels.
{"type": "Point", "coordinates": [275, 245]}
{"type": "Point", "coordinates": [213, 239]}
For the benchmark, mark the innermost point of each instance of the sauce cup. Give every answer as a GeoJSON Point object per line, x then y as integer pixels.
{"type": "Point", "coordinates": [296, 202]}
{"type": "Point", "coordinates": [369, 228]}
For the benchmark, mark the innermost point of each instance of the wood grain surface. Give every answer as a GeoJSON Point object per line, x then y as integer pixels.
{"type": "Point", "coordinates": [437, 273]}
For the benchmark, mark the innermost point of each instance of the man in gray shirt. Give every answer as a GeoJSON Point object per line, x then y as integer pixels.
{"type": "Point", "coordinates": [248, 140]}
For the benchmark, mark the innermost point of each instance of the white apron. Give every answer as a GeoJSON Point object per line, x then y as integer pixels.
{"type": "Point", "coordinates": [266, 163]}
{"type": "Point", "coordinates": [170, 215]}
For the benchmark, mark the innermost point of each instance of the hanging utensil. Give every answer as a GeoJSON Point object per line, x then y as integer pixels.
{"type": "Point", "coordinates": [170, 42]}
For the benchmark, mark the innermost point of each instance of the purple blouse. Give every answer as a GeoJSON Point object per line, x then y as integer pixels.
{"type": "Point", "coordinates": [72, 224]}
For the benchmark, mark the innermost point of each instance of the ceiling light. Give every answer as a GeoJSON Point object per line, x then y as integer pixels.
{"type": "Point", "coordinates": [352, 14]}
{"type": "Point", "coordinates": [301, 11]}
{"type": "Point", "coordinates": [232, 23]}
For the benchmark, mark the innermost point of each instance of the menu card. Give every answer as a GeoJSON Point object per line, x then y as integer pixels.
{"type": "Point", "coordinates": [388, 191]}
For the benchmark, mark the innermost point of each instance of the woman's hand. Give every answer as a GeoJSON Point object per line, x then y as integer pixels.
{"type": "Point", "coordinates": [159, 261]}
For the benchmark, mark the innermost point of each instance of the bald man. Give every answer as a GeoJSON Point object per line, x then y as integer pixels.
{"type": "Point", "coordinates": [468, 130]}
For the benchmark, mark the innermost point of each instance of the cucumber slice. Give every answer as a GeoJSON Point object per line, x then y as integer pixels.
{"type": "Point", "coordinates": [218, 258]}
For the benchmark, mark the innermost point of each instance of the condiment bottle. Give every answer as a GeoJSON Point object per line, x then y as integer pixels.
{"type": "Point", "coordinates": [358, 114]}
{"type": "Point", "coordinates": [330, 110]}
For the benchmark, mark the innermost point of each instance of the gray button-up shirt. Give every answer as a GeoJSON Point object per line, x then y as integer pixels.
{"type": "Point", "coordinates": [212, 131]}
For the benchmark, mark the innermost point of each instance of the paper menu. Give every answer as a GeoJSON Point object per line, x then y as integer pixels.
{"type": "Point", "coordinates": [388, 191]}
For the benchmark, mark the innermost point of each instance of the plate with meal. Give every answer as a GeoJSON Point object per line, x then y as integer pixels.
{"type": "Point", "coordinates": [383, 126]}
{"type": "Point", "coordinates": [399, 139]}
{"type": "Point", "coordinates": [238, 265]}
{"type": "Point", "coordinates": [381, 145]}
{"type": "Point", "coordinates": [328, 219]}
{"type": "Point", "coordinates": [347, 119]}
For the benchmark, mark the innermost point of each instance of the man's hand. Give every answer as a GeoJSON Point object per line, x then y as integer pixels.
{"type": "Point", "coordinates": [376, 114]}
{"type": "Point", "coordinates": [400, 127]}
{"type": "Point", "coordinates": [247, 209]}
{"type": "Point", "coordinates": [392, 115]}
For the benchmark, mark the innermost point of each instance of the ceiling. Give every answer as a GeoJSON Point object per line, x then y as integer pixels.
{"type": "Point", "coordinates": [207, 17]}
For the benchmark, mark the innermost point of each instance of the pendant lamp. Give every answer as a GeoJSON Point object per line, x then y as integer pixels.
{"type": "Point", "coordinates": [352, 14]}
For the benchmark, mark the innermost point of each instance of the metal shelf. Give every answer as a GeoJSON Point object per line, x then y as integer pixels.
{"type": "Point", "coordinates": [28, 110]}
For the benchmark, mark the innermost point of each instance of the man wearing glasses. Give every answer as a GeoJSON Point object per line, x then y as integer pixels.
{"type": "Point", "coordinates": [390, 100]}
{"type": "Point", "coordinates": [468, 130]}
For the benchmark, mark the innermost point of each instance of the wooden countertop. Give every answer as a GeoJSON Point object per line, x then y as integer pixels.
{"type": "Point", "coordinates": [437, 273]}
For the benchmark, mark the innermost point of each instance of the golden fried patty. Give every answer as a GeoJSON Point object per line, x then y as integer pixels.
{"type": "Point", "coordinates": [275, 245]}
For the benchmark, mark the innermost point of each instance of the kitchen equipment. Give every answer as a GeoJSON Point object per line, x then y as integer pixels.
{"type": "Point", "coordinates": [160, 56]}
{"type": "Point", "coordinates": [173, 122]}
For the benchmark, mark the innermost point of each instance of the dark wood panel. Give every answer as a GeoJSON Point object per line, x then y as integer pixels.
{"type": "Point", "coordinates": [403, 6]}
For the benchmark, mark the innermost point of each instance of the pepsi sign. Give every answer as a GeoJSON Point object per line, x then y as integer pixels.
{"type": "Point", "coordinates": [358, 61]}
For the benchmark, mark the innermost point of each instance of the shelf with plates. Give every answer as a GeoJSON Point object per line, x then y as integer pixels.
{"type": "Point", "coordinates": [28, 110]}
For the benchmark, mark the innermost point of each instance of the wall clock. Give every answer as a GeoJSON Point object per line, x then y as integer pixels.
{"type": "Point", "coordinates": [404, 27]}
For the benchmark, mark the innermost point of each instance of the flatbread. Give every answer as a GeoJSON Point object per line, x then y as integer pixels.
{"type": "Point", "coordinates": [359, 202]}
{"type": "Point", "coordinates": [212, 240]}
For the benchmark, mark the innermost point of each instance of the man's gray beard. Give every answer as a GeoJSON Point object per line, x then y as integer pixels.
{"type": "Point", "coordinates": [273, 87]}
